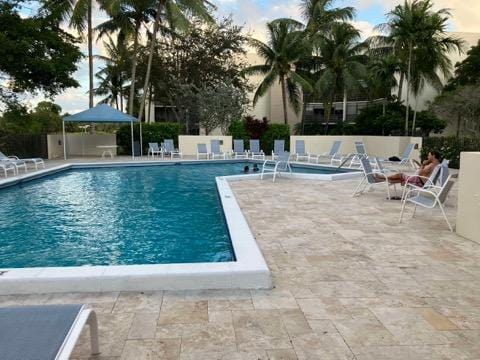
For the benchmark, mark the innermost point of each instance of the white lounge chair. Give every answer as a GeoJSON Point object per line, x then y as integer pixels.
{"type": "Point", "coordinates": [154, 149]}
{"type": "Point", "coordinates": [428, 198]}
{"type": "Point", "coordinates": [216, 151]}
{"type": "Point", "coordinates": [278, 148]}
{"type": "Point", "coordinates": [22, 162]}
{"type": "Point", "coordinates": [277, 166]}
{"type": "Point", "coordinates": [202, 151]}
{"type": "Point", "coordinates": [255, 151]}
{"type": "Point", "coordinates": [47, 332]}
{"type": "Point", "coordinates": [333, 153]}
{"type": "Point", "coordinates": [300, 150]}
{"type": "Point", "coordinates": [405, 159]}
{"type": "Point", "coordinates": [372, 178]}
{"type": "Point", "coordinates": [239, 151]}
{"type": "Point", "coordinates": [169, 148]}
{"type": "Point", "coordinates": [7, 166]}
{"type": "Point", "coordinates": [434, 182]}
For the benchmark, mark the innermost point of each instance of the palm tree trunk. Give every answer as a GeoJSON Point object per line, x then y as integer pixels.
{"type": "Point", "coordinates": [304, 113]}
{"type": "Point", "coordinates": [90, 54]}
{"type": "Point", "coordinates": [150, 99]}
{"type": "Point", "coordinates": [414, 117]}
{"type": "Point", "coordinates": [344, 116]}
{"type": "Point", "coordinates": [121, 95]}
{"type": "Point", "coordinates": [408, 88]}
{"type": "Point", "coordinates": [400, 86]}
{"type": "Point", "coordinates": [284, 99]}
{"type": "Point", "coordinates": [153, 40]}
{"type": "Point", "coordinates": [134, 67]}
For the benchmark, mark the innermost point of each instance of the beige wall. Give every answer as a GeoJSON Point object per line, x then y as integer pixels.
{"type": "Point", "coordinates": [381, 146]}
{"type": "Point", "coordinates": [188, 144]}
{"type": "Point", "coordinates": [468, 210]}
{"type": "Point", "coordinates": [79, 144]}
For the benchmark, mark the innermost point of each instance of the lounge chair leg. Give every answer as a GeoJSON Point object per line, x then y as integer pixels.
{"type": "Point", "coordinates": [445, 217]}
{"type": "Point", "coordinates": [401, 212]}
{"type": "Point", "coordinates": [93, 325]}
{"type": "Point", "coordinates": [356, 191]}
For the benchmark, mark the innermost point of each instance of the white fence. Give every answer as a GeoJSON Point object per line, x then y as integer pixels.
{"type": "Point", "coordinates": [79, 144]}
{"type": "Point", "coordinates": [381, 146]}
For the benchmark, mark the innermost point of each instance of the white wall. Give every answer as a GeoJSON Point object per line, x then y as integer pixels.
{"type": "Point", "coordinates": [188, 143]}
{"type": "Point", "coordinates": [381, 146]}
{"type": "Point", "coordinates": [468, 210]}
{"type": "Point", "coordinates": [79, 144]}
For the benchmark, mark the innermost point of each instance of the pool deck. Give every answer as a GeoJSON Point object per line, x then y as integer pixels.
{"type": "Point", "coordinates": [349, 283]}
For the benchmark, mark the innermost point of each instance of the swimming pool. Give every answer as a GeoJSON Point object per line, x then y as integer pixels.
{"type": "Point", "coordinates": [118, 216]}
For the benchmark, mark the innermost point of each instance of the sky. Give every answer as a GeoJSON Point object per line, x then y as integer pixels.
{"type": "Point", "coordinates": [254, 14]}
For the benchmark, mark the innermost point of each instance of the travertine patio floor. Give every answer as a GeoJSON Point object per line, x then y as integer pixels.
{"type": "Point", "coordinates": [350, 283]}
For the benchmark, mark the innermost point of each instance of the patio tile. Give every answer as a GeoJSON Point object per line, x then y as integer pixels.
{"type": "Point", "coordinates": [184, 312]}
{"type": "Point", "coordinates": [148, 301]}
{"type": "Point", "coordinates": [143, 326]}
{"type": "Point", "coordinates": [168, 349]}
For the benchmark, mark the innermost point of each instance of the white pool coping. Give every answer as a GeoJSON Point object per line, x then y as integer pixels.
{"type": "Point", "coordinates": [249, 271]}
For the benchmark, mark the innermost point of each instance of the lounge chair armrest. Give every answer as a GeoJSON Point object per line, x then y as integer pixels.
{"type": "Point", "coordinates": [13, 157]}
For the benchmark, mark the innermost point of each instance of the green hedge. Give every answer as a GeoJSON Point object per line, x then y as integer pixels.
{"type": "Point", "coordinates": [275, 132]}
{"type": "Point", "coordinates": [450, 147]}
{"type": "Point", "coordinates": [156, 132]}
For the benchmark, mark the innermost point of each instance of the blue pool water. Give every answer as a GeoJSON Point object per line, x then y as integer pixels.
{"type": "Point", "coordinates": [117, 216]}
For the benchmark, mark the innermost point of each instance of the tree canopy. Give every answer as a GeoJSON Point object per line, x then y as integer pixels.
{"type": "Point", "coordinates": [36, 55]}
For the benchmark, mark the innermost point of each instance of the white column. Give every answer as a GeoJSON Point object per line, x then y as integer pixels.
{"type": "Point", "coordinates": [64, 141]}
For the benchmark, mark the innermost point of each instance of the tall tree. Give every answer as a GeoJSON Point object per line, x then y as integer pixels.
{"type": "Point", "coordinates": [382, 71]}
{"type": "Point", "coordinates": [343, 59]}
{"type": "Point", "coordinates": [176, 14]}
{"type": "Point", "coordinates": [285, 46]}
{"type": "Point", "coordinates": [80, 14]}
{"type": "Point", "coordinates": [128, 17]}
{"type": "Point", "coordinates": [36, 55]}
{"type": "Point", "coordinates": [414, 28]}
{"type": "Point", "coordinates": [320, 15]}
{"type": "Point", "coordinates": [113, 75]}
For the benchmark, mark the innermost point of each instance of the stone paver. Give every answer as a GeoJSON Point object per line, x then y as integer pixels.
{"type": "Point", "coordinates": [349, 283]}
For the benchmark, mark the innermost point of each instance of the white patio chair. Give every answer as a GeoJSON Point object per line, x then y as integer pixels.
{"type": "Point", "coordinates": [255, 151]}
{"type": "Point", "coordinates": [372, 178]}
{"type": "Point", "coordinates": [47, 332]}
{"type": "Point", "coordinates": [277, 166]}
{"type": "Point", "coordinates": [330, 155]}
{"type": "Point", "coordinates": [202, 151]}
{"type": "Point", "coordinates": [428, 198]}
{"type": "Point", "coordinates": [7, 166]}
{"type": "Point", "coordinates": [300, 150]}
{"type": "Point", "coordinates": [216, 150]}
{"type": "Point", "coordinates": [239, 151]}
{"type": "Point", "coordinates": [169, 148]}
{"type": "Point", "coordinates": [22, 162]}
{"type": "Point", "coordinates": [405, 159]}
{"type": "Point", "coordinates": [278, 148]}
{"type": "Point", "coordinates": [154, 149]}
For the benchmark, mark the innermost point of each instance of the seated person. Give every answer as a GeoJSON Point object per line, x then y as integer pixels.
{"type": "Point", "coordinates": [246, 169]}
{"type": "Point", "coordinates": [425, 170]}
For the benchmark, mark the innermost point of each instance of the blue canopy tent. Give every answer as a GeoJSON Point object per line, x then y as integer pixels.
{"type": "Point", "coordinates": [102, 114]}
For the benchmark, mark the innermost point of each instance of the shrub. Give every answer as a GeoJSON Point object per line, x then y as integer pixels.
{"type": "Point", "coordinates": [156, 132]}
{"type": "Point", "coordinates": [237, 131]}
{"type": "Point", "coordinates": [275, 132]}
{"type": "Point", "coordinates": [255, 128]}
{"type": "Point", "coordinates": [450, 147]}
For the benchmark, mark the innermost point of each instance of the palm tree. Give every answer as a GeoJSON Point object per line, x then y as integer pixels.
{"type": "Point", "coordinates": [113, 75]}
{"type": "Point", "coordinates": [285, 46]}
{"type": "Point", "coordinates": [128, 17]}
{"type": "Point", "coordinates": [343, 58]}
{"type": "Point", "coordinates": [80, 14]}
{"type": "Point", "coordinates": [176, 14]}
{"type": "Point", "coordinates": [412, 27]}
{"type": "Point", "coordinates": [382, 79]}
{"type": "Point", "coordinates": [320, 15]}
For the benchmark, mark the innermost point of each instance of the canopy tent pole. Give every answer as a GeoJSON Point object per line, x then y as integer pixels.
{"type": "Point", "coordinates": [133, 150]}
{"type": "Point", "coordinates": [64, 141]}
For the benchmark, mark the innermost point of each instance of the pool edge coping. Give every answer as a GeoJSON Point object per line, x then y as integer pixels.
{"type": "Point", "coordinates": [249, 271]}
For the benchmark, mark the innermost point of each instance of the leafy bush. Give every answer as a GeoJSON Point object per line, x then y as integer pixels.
{"type": "Point", "coordinates": [255, 128]}
{"type": "Point", "coordinates": [237, 131]}
{"type": "Point", "coordinates": [275, 132]}
{"type": "Point", "coordinates": [450, 147]}
{"type": "Point", "coordinates": [156, 132]}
